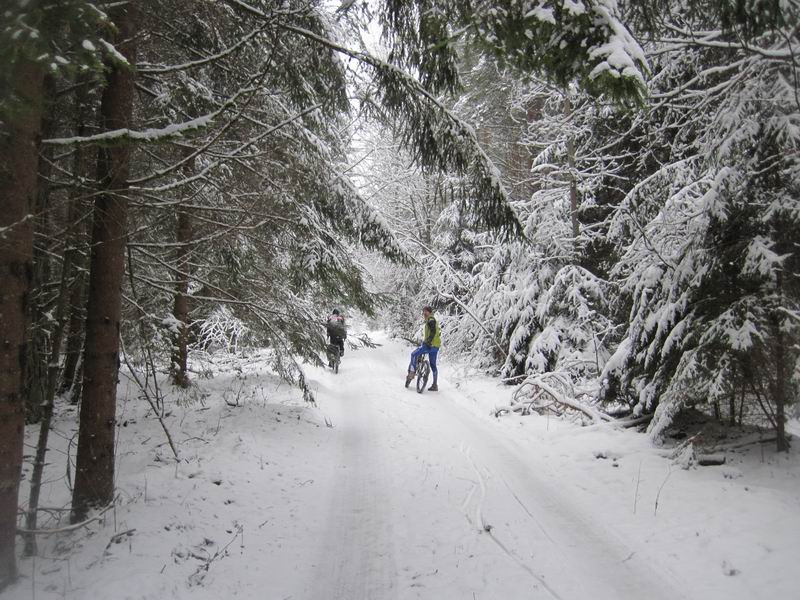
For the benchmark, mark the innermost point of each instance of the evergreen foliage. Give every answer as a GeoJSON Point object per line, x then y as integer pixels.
{"type": "Point", "coordinates": [564, 215]}
{"type": "Point", "coordinates": [679, 289]}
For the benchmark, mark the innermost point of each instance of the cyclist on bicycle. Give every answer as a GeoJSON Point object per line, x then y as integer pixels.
{"type": "Point", "coordinates": [430, 345]}
{"type": "Point", "coordinates": [337, 331]}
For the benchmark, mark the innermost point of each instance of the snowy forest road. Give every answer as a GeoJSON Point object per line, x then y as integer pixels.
{"type": "Point", "coordinates": [428, 500]}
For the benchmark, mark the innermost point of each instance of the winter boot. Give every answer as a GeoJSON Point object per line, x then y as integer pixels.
{"type": "Point", "coordinates": [434, 387]}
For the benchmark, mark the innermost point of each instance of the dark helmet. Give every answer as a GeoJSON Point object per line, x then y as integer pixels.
{"type": "Point", "coordinates": [336, 311]}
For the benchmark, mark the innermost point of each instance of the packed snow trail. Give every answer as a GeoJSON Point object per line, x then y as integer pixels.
{"type": "Point", "coordinates": [404, 496]}
{"type": "Point", "coordinates": [427, 500]}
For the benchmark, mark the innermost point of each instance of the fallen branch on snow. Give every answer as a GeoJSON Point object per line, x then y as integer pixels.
{"type": "Point", "coordinates": [197, 577]}
{"type": "Point", "coordinates": [68, 528]}
{"type": "Point", "coordinates": [542, 388]}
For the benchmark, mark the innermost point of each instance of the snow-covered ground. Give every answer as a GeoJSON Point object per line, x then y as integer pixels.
{"type": "Point", "coordinates": [381, 493]}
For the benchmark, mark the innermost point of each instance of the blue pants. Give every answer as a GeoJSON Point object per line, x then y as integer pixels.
{"type": "Point", "coordinates": [432, 354]}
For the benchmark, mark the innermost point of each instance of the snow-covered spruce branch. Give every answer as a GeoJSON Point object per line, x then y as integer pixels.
{"type": "Point", "coordinates": [224, 297]}
{"type": "Point", "coordinates": [174, 130]}
{"type": "Point", "coordinates": [177, 130]}
{"type": "Point", "coordinates": [701, 76]}
{"type": "Point", "coordinates": [364, 341]}
{"type": "Point", "coordinates": [778, 54]}
{"type": "Point", "coordinates": [452, 297]}
{"type": "Point", "coordinates": [790, 313]}
{"type": "Point", "coordinates": [201, 175]}
{"type": "Point", "coordinates": [501, 215]}
{"type": "Point", "coordinates": [147, 135]}
{"type": "Point", "coordinates": [469, 312]}
{"type": "Point", "coordinates": [264, 315]}
{"type": "Point", "coordinates": [147, 69]}
{"type": "Point", "coordinates": [278, 339]}
{"type": "Point", "coordinates": [450, 270]}
{"type": "Point", "coordinates": [186, 160]}
{"type": "Point", "coordinates": [227, 228]}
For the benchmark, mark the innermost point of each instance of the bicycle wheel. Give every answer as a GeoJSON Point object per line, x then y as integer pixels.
{"type": "Point", "coordinates": [332, 352]}
{"type": "Point", "coordinates": [422, 376]}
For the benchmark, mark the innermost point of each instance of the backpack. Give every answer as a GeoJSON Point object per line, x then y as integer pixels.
{"type": "Point", "coordinates": [336, 328]}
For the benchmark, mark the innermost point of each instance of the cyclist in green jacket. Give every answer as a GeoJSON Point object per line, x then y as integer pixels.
{"type": "Point", "coordinates": [431, 343]}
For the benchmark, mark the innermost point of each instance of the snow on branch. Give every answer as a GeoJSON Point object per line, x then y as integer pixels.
{"type": "Point", "coordinates": [435, 133]}
{"type": "Point", "coordinates": [151, 70]}
{"type": "Point", "coordinates": [147, 135]}
{"type": "Point", "coordinates": [552, 387]}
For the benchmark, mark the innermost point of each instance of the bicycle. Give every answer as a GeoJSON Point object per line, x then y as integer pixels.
{"type": "Point", "coordinates": [423, 372]}
{"type": "Point", "coordinates": [334, 357]}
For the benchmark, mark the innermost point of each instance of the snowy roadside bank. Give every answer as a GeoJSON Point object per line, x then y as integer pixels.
{"type": "Point", "coordinates": [244, 439]}
{"type": "Point", "coordinates": [727, 531]}
{"type": "Point", "coordinates": [402, 497]}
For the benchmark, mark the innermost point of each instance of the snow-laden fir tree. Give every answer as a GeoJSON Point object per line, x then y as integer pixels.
{"type": "Point", "coordinates": [707, 265]}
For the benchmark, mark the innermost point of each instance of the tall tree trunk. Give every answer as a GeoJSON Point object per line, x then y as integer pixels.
{"type": "Point", "coordinates": [77, 242]}
{"type": "Point", "coordinates": [180, 311]}
{"type": "Point", "coordinates": [782, 370]}
{"type": "Point", "coordinates": [183, 236]}
{"type": "Point", "coordinates": [19, 150]}
{"type": "Point", "coordinates": [75, 327]}
{"type": "Point", "coordinates": [47, 401]}
{"type": "Point", "coordinates": [732, 401]}
{"type": "Point", "coordinates": [62, 308]}
{"type": "Point", "coordinates": [38, 322]}
{"type": "Point", "coordinates": [94, 469]}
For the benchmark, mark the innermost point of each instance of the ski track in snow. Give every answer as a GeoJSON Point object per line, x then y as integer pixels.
{"type": "Point", "coordinates": [431, 502]}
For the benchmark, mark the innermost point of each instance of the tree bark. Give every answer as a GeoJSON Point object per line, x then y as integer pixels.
{"type": "Point", "coordinates": [38, 322]}
{"type": "Point", "coordinates": [180, 353]}
{"type": "Point", "coordinates": [180, 311]}
{"type": "Point", "coordinates": [77, 316]}
{"type": "Point", "coordinates": [19, 150]}
{"type": "Point", "coordinates": [782, 370]}
{"type": "Point", "coordinates": [47, 403]}
{"type": "Point", "coordinates": [94, 470]}
{"type": "Point", "coordinates": [732, 399]}
{"type": "Point", "coordinates": [77, 243]}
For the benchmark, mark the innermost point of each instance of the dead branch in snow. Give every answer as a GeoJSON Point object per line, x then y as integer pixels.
{"type": "Point", "coordinates": [634, 422]}
{"type": "Point", "coordinates": [557, 392]}
{"type": "Point", "coordinates": [117, 538]}
{"type": "Point", "coordinates": [69, 528]}
{"type": "Point", "coordinates": [199, 574]}
{"type": "Point", "coordinates": [147, 397]}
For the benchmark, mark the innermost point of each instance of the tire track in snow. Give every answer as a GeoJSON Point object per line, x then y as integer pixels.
{"type": "Point", "coordinates": [356, 559]}
{"type": "Point", "coordinates": [484, 527]}
{"type": "Point", "coordinates": [384, 434]}
{"type": "Point", "coordinates": [527, 511]}
{"type": "Point", "coordinates": [576, 541]}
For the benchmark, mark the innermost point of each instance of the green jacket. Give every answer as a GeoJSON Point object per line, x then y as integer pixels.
{"type": "Point", "coordinates": [433, 333]}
